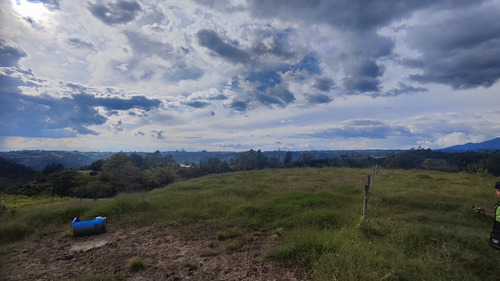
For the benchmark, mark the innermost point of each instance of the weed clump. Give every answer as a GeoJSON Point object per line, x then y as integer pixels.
{"type": "Point", "coordinates": [233, 246]}
{"type": "Point", "coordinates": [228, 234]}
{"type": "Point", "coordinates": [208, 253]}
{"type": "Point", "coordinates": [137, 264]}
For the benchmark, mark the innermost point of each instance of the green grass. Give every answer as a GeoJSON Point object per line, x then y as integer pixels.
{"type": "Point", "coordinates": [420, 224]}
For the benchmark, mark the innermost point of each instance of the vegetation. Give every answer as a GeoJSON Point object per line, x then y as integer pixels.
{"type": "Point", "coordinates": [134, 172]}
{"type": "Point", "coordinates": [420, 225]}
{"type": "Point", "coordinates": [137, 264]}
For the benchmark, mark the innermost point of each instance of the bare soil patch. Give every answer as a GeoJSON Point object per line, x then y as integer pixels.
{"type": "Point", "coordinates": [167, 252]}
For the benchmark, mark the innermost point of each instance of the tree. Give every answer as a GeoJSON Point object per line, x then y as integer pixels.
{"type": "Point", "coordinates": [62, 182]}
{"type": "Point", "coordinates": [123, 176]}
{"type": "Point", "coordinates": [273, 162]}
{"type": "Point", "coordinates": [153, 160]}
{"type": "Point", "coordinates": [93, 189]}
{"type": "Point", "coordinates": [157, 177]}
{"type": "Point", "coordinates": [288, 159]}
{"type": "Point", "coordinates": [137, 160]}
{"type": "Point", "coordinates": [52, 168]}
{"type": "Point", "coordinates": [261, 160]}
{"type": "Point", "coordinates": [305, 160]}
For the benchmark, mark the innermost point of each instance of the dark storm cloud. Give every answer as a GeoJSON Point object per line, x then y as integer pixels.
{"type": "Point", "coordinates": [463, 51]}
{"type": "Point", "coordinates": [9, 55]}
{"type": "Point", "coordinates": [116, 13]}
{"type": "Point", "coordinates": [211, 40]}
{"type": "Point", "coordinates": [363, 128]}
{"type": "Point", "coordinates": [78, 43]}
{"type": "Point", "coordinates": [323, 84]}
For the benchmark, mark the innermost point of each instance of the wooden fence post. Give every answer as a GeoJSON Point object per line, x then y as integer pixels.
{"type": "Point", "coordinates": [367, 195]}
{"type": "Point", "coordinates": [374, 172]}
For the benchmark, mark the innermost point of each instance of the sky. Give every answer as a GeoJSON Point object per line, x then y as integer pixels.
{"type": "Point", "coordinates": [234, 75]}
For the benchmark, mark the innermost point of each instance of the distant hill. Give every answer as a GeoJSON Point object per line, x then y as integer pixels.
{"type": "Point", "coordinates": [490, 145]}
{"type": "Point", "coordinates": [38, 159]}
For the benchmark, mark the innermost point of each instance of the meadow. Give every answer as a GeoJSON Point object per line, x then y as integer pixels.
{"type": "Point", "coordinates": [419, 224]}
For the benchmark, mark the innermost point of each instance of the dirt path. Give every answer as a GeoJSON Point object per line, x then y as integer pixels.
{"type": "Point", "coordinates": [166, 254]}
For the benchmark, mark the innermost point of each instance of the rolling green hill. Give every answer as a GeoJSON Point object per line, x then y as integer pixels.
{"type": "Point", "coordinates": [419, 225]}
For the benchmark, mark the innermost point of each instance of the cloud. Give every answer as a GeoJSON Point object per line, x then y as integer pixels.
{"type": "Point", "coordinates": [197, 104]}
{"type": "Point", "coordinates": [462, 51]}
{"type": "Point", "coordinates": [78, 43]}
{"type": "Point", "coordinates": [278, 95]}
{"type": "Point", "coordinates": [50, 4]}
{"type": "Point", "coordinates": [362, 46]}
{"type": "Point", "coordinates": [157, 134]}
{"type": "Point", "coordinates": [43, 115]}
{"type": "Point", "coordinates": [211, 40]}
{"type": "Point", "coordinates": [143, 45]}
{"type": "Point", "coordinates": [403, 89]}
{"type": "Point", "coordinates": [360, 15]}
{"type": "Point", "coordinates": [239, 105]}
{"type": "Point", "coordinates": [362, 128]}
{"type": "Point", "coordinates": [182, 71]}
{"type": "Point", "coordinates": [124, 104]}
{"type": "Point", "coordinates": [363, 76]}
{"type": "Point", "coordinates": [323, 84]}
{"type": "Point", "coordinates": [319, 99]}
{"type": "Point", "coordinates": [153, 59]}
{"type": "Point", "coordinates": [269, 42]}
{"type": "Point", "coordinates": [118, 127]}
{"type": "Point", "coordinates": [9, 56]}
{"type": "Point", "coordinates": [222, 5]}
{"type": "Point", "coordinates": [119, 12]}
{"type": "Point", "coordinates": [186, 67]}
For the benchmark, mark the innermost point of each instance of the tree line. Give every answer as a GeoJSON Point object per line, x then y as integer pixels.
{"type": "Point", "coordinates": [132, 172]}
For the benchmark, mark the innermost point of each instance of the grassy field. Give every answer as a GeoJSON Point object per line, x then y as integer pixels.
{"type": "Point", "coordinates": [419, 226]}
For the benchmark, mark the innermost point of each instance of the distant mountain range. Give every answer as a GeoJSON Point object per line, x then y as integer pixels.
{"type": "Point", "coordinates": [38, 159]}
{"type": "Point", "coordinates": [490, 145]}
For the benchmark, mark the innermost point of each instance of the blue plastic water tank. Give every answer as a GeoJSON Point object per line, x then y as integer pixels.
{"type": "Point", "coordinates": [82, 228]}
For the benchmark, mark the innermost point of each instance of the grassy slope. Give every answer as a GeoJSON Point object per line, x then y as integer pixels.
{"type": "Point", "coordinates": [420, 224]}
